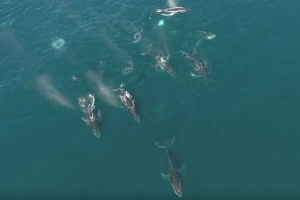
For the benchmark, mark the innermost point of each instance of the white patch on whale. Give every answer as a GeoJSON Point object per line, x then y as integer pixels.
{"type": "Point", "coordinates": [137, 36]}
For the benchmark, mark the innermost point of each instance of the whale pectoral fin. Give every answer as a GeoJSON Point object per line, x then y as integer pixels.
{"type": "Point", "coordinates": [198, 43]}
{"type": "Point", "coordinates": [165, 176]}
{"type": "Point", "coordinates": [99, 114]}
{"type": "Point", "coordinates": [85, 120]}
{"type": "Point", "coordinates": [81, 103]}
{"type": "Point", "coordinates": [122, 85]}
{"type": "Point", "coordinates": [182, 170]}
{"type": "Point", "coordinates": [195, 76]}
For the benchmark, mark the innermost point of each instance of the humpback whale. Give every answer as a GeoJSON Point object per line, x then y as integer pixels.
{"type": "Point", "coordinates": [92, 119]}
{"type": "Point", "coordinates": [174, 173]}
{"type": "Point", "coordinates": [129, 103]}
{"type": "Point", "coordinates": [169, 11]}
{"type": "Point", "coordinates": [198, 66]}
{"type": "Point", "coordinates": [162, 61]}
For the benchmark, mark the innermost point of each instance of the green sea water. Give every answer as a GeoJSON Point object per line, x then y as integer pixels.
{"type": "Point", "coordinates": [237, 133]}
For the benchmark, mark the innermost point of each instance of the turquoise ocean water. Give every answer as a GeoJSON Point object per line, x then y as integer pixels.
{"type": "Point", "coordinates": [238, 133]}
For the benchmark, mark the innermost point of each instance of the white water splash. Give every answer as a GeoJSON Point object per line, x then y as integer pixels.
{"type": "Point", "coordinates": [128, 70]}
{"type": "Point", "coordinates": [138, 36]}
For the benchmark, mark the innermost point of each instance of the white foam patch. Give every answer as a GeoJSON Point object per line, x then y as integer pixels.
{"type": "Point", "coordinates": [58, 43]}
{"type": "Point", "coordinates": [137, 36]}
{"type": "Point", "coordinates": [128, 70]}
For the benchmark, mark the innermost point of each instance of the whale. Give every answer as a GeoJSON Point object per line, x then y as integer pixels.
{"type": "Point", "coordinates": [129, 103]}
{"type": "Point", "coordinates": [169, 11]}
{"type": "Point", "coordinates": [92, 118]}
{"type": "Point", "coordinates": [199, 67]}
{"type": "Point", "coordinates": [174, 174]}
{"type": "Point", "coordinates": [162, 61]}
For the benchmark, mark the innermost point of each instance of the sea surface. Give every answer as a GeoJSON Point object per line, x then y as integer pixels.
{"type": "Point", "coordinates": [237, 130]}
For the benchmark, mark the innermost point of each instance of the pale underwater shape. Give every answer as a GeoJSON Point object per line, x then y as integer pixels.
{"type": "Point", "coordinates": [210, 36]}
{"type": "Point", "coordinates": [157, 113]}
{"type": "Point", "coordinates": [58, 43]}
{"type": "Point", "coordinates": [207, 35]}
{"type": "Point", "coordinates": [161, 22]}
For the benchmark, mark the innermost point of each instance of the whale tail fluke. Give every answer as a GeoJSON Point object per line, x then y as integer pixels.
{"type": "Point", "coordinates": [165, 144]}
